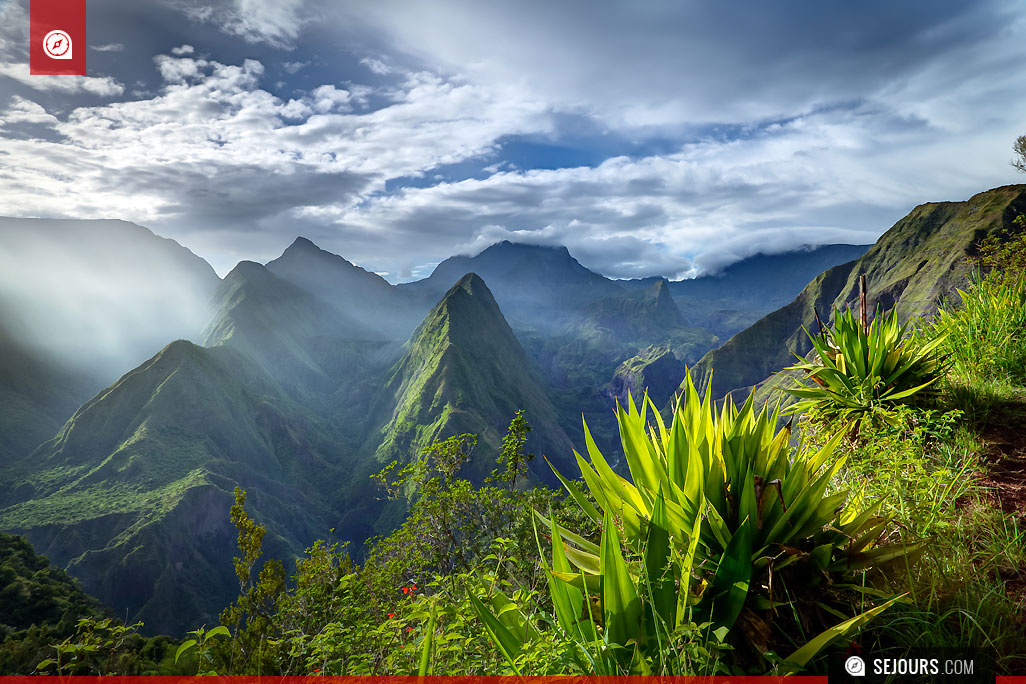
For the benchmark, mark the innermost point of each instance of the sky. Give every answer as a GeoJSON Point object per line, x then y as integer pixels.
{"type": "Point", "coordinates": [664, 137]}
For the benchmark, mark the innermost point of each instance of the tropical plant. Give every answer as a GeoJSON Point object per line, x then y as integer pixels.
{"type": "Point", "coordinates": [97, 647]}
{"type": "Point", "coordinates": [452, 523]}
{"type": "Point", "coordinates": [861, 370]}
{"type": "Point", "coordinates": [719, 529]}
{"type": "Point", "coordinates": [200, 641]}
{"type": "Point", "coordinates": [985, 335]}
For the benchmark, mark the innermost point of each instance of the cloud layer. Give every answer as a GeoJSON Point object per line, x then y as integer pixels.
{"type": "Point", "coordinates": [395, 133]}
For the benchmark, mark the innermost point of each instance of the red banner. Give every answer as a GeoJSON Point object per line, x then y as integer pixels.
{"type": "Point", "coordinates": [741, 679]}
{"type": "Point", "coordinates": [58, 37]}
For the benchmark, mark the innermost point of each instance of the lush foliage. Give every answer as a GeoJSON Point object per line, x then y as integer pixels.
{"type": "Point", "coordinates": [926, 467]}
{"type": "Point", "coordinates": [41, 605]}
{"type": "Point", "coordinates": [730, 545]}
{"type": "Point", "coordinates": [860, 371]}
{"type": "Point", "coordinates": [718, 525]}
{"type": "Point", "coordinates": [986, 329]}
{"type": "Point", "coordinates": [407, 609]}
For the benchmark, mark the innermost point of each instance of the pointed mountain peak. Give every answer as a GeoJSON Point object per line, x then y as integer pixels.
{"type": "Point", "coordinates": [463, 371]}
{"type": "Point", "coordinates": [468, 300]}
{"type": "Point", "coordinates": [472, 284]}
{"type": "Point", "coordinates": [304, 244]}
{"type": "Point", "coordinates": [304, 252]}
{"type": "Point", "coordinates": [248, 270]}
{"type": "Point", "coordinates": [319, 270]}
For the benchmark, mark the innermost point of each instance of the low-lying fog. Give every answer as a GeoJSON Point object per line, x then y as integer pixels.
{"type": "Point", "coordinates": [99, 296]}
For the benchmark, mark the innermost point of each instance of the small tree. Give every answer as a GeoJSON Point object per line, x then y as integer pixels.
{"type": "Point", "coordinates": [1020, 150]}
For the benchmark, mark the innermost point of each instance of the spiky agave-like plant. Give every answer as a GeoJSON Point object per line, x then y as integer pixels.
{"type": "Point", "coordinates": [715, 510]}
{"type": "Point", "coordinates": [859, 369]}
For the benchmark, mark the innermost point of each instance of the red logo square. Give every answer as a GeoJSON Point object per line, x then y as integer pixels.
{"type": "Point", "coordinates": [58, 37]}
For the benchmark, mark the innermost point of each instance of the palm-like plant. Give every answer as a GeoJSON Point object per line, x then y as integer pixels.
{"type": "Point", "coordinates": [714, 514]}
{"type": "Point", "coordinates": [861, 368]}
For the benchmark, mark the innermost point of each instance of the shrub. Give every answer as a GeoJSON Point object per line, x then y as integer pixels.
{"type": "Point", "coordinates": [984, 332]}
{"type": "Point", "coordinates": [863, 372]}
{"type": "Point", "coordinates": [719, 530]}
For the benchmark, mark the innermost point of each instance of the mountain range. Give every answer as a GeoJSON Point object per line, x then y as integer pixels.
{"type": "Point", "coordinates": [918, 263]}
{"type": "Point", "coordinates": [306, 375]}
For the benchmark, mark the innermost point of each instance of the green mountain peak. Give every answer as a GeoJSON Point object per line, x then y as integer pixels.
{"type": "Point", "coordinates": [464, 371]}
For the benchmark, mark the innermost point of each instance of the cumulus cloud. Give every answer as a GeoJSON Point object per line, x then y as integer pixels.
{"type": "Point", "coordinates": [25, 111]}
{"type": "Point", "coordinates": [789, 124]}
{"type": "Point", "coordinates": [814, 180]}
{"type": "Point", "coordinates": [215, 153]}
{"type": "Point", "coordinates": [104, 86]}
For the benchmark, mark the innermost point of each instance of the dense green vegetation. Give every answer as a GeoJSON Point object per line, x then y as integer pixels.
{"type": "Point", "coordinates": [731, 548]}
{"type": "Point", "coordinates": [864, 369]}
{"type": "Point", "coordinates": [45, 612]}
{"type": "Point", "coordinates": [720, 541]}
{"type": "Point", "coordinates": [308, 381]}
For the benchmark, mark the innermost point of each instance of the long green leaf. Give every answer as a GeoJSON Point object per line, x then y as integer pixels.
{"type": "Point", "coordinates": [500, 636]}
{"type": "Point", "coordinates": [804, 654]}
{"type": "Point", "coordinates": [733, 575]}
{"type": "Point", "coordinates": [424, 669]}
{"type": "Point", "coordinates": [657, 564]}
{"type": "Point", "coordinates": [621, 605]}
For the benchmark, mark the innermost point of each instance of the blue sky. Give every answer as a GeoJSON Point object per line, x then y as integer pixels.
{"type": "Point", "coordinates": [650, 138]}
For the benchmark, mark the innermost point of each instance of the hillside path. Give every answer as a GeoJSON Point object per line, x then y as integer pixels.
{"type": "Point", "coordinates": [1004, 434]}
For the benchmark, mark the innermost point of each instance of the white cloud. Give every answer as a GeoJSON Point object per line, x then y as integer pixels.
{"type": "Point", "coordinates": [841, 176]}
{"type": "Point", "coordinates": [182, 50]}
{"type": "Point", "coordinates": [376, 66]}
{"type": "Point", "coordinates": [215, 151]}
{"type": "Point", "coordinates": [785, 125]}
{"type": "Point", "coordinates": [109, 47]}
{"type": "Point", "coordinates": [673, 64]}
{"type": "Point", "coordinates": [104, 86]}
{"type": "Point", "coordinates": [25, 111]}
{"type": "Point", "coordinates": [273, 22]}
{"type": "Point", "coordinates": [326, 98]}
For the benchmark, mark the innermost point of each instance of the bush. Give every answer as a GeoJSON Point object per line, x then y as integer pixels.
{"type": "Point", "coordinates": [985, 333]}
{"type": "Point", "coordinates": [861, 373]}
{"type": "Point", "coordinates": [719, 532]}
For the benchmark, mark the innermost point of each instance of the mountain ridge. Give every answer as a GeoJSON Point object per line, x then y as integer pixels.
{"type": "Point", "coordinates": [915, 264]}
{"type": "Point", "coordinates": [463, 345]}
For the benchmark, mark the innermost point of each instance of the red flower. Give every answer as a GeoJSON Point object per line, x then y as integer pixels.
{"type": "Point", "coordinates": [391, 615]}
{"type": "Point", "coordinates": [409, 629]}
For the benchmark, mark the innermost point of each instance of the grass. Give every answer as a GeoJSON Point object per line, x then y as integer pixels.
{"type": "Point", "coordinates": [929, 478]}
{"type": "Point", "coordinates": [968, 591]}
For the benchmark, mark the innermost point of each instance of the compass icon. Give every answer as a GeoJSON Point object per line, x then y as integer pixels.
{"type": "Point", "coordinates": [57, 45]}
